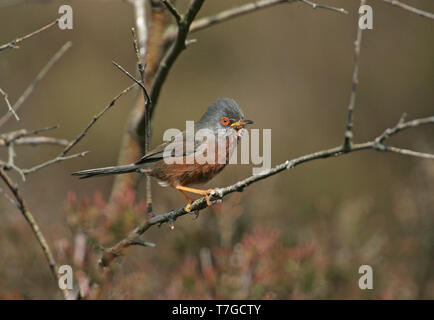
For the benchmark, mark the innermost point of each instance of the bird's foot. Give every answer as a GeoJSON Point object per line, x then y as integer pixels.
{"type": "Point", "coordinates": [187, 207]}
{"type": "Point", "coordinates": [204, 193]}
{"type": "Point", "coordinates": [207, 194]}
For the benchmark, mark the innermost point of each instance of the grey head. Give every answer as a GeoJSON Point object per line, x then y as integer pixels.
{"type": "Point", "coordinates": [224, 113]}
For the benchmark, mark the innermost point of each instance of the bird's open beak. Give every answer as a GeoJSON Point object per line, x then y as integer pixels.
{"type": "Point", "coordinates": [241, 123]}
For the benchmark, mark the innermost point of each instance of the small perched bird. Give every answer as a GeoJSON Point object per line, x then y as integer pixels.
{"type": "Point", "coordinates": [224, 119]}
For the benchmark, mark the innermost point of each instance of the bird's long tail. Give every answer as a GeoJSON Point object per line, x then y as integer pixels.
{"type": "Point", "coordinates": [107, 171]}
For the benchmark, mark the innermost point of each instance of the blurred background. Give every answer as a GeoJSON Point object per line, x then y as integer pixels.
{"type": "Point", "coordinates": [301, 234]}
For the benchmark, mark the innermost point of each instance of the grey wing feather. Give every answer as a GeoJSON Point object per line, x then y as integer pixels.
{"type": "Point", "coordinates": [177, 142]}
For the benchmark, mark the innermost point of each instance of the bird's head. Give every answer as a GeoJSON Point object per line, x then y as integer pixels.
{"type": "Point", "coordinates": [224, 113]}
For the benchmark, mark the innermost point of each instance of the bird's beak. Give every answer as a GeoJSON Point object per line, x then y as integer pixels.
{"type": "Point", "coordinates": [241, 123]}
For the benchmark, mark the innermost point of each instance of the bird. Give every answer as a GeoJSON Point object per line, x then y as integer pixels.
{"type": "Point", "coordinates": [225, 124]}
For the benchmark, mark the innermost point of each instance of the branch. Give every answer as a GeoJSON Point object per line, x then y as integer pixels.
{"type": "Point", "coordinates": [52, 161]}
{"type": "Point", "coordinates": [411, 9]}
{"type": "Point", "coordinates": [176, 48]}
{"type": "Point", "coordinates": [140, 13]}
{"type": "Point", "coordinates": [323, 6]}
{"type": "Point", "coordinates": [21, 137]}
{"type": "Point", "coordinates": [134, 139]}
{"type": "Point", "coordinates": [147, 119]}
{"type": "Point", "coordinates": [173, 10]}
{"type": "Point", "coordinates": [411, 153]}
{"type": "Point", "coordinates": [132, 78]}
{"type": "Point", "coordinates": [93, 121]}
{"type": "Point", "coordinates": [240, 11]}
{"type": "Point", "coordinates": [355, 82]}
{"type": "Point", "coordinates": [11, 137]}
{"type": "Point", "coordinates": [35, 81]}
{"type": "Point", "coordinates": [110, 254]}
{"type": "Point", "coordinates": [62, 156]}
{"type": "Point", "coordinates": [35, 141]}
{"type": "Point", "coordinates": [5, 96]}
{"type": "Point", "coordinates": [13, 43]}
{"type": "Point", "coordinates": [21, 205]}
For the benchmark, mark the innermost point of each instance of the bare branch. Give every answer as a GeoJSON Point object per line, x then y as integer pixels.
{"type": "Point", "coordinates": [35, 81]}
{"type": "Point", "coordinates": [131, 77]}
{"type": "Point", "coordinates": [14, 43]}
{"type": "Point", "coordinates": [92, 122]}
{"type": "Point", "coordinates": [377, 144]}
{"type": "Point", "coordinates": [173, 10]}
{"type": "Point", "coordinates": [151, 51]}
{"type": "Point", "coordinates": [14, 136]}
{"type": "Point", "coordinates": [230, 14]}
{"type": "Point", "coordinates": [402, 125]}
{"type": "Point", "coordinates": [34, 226]}
{"type": "Point", "coordinates": [323, 6]}
{"type": "Point", "coordinates": [240, 11]}
{"type": "Point", "coordinates": [147, 120]}
{"type": "Point", "coordinates": [140, 65]}
{"type": "Point", "coordinates": [35, 141]}
{"type": "Point", "coordinates": [411, 9]}
{"type": "Point", "coordinates": [140, 12]}
{"type": "Point", "coordinates": [175, 50]}
{"type": "Point", "coordinates": [5, 96]}
{"type": "Point", "coordinates": [140, 242]}
{"type": "Point", "coordinates": [411, 153]}
{"type": "Point", "coordinates": [53, 161]}
{"type": "Point", "coordinates": [355, 82]}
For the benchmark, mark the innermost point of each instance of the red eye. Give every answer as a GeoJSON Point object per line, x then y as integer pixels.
{"type": "Point", "coordinates": [224, 121]}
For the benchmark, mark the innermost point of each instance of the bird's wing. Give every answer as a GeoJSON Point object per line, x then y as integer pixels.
{"type": "Point", "coordinates": [178, 142]}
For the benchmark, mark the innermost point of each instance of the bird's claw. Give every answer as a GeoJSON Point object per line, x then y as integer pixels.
{"type": "Point", "coordinates": [188, 207]}
{"type": "Point", "coordinates": [207, 195]}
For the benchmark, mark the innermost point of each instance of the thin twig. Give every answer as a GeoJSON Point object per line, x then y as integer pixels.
{"type": "Point", "coordinates": [175, 49]}
{"type": "Point", "coordinates": [5, 96]}
{"type": "Point", "coordinates": [172, 10]}
{"type": "Point", "coordinates": [229, 14]}
{"type": "Point", "coordinates": [92, 122]}
{"type": "Point", "coordinates": [13, 43]}
{"type": "Point", "coordinates": [36, 141]}
{"type": "Point", "coordinates": [147, 114]}
{"type": "Point", "coordinates": [355, 82]}
{"type": "Point", "coordinates": [53, 161]}
{"type": "Point", "coordinates": [323, 6]}
{"type": "Point", "coordinates": [140, 65]}
{"type": "Point", "coordinates": [14, 136]}
{"type": "Point", "coordinates": [131, 77]}
{"type": "Point", "coordinates": [35, 81]}
{"type": "Point", "coordinates": [140, 13]}
{"type": "Point", "coordinates": [150, 47]}
{"type": "Point", "coordinates": [35, 228]}
{"type": "Point", "coordinates": [403, 125]}
{"type": "Point", "coordinates": [411, 153]}
{"type": "Point", "coordinates": [110, 254]}
{"type": "Point", "coordinates": [411, 9]}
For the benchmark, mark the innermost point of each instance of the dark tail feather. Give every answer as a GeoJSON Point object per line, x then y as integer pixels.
{"type": "Point", "coordinates": [106, 171]}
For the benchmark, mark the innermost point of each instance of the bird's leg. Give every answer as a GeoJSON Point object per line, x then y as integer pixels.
{"type": "Point", "coordinates": [189, 200]}
{"type": "Point", "coordinates": [204, 193]}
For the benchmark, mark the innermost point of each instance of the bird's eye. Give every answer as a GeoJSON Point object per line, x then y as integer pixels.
{"type": "Point", "coordinates": [224, 121]}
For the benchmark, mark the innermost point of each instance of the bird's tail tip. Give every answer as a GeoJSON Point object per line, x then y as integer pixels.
{"type": "Point", "coordinates": [105, 171]}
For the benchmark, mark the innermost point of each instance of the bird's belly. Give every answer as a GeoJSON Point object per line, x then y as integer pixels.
{"type": "Point", "coordinates": [183, 174]}
{"type": "Point", "coordinates": [186, 174]}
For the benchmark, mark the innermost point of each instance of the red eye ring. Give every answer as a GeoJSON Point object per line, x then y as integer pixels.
{"type": "Point", "coordinates": [224, 121]}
